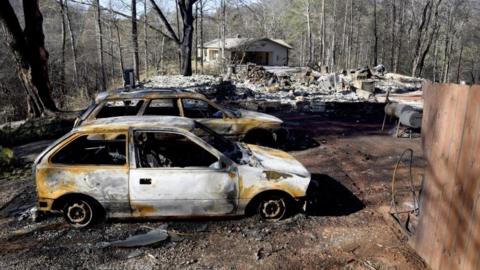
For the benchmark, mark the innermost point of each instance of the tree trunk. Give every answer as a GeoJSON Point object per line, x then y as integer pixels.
{"type": "Point", "coordinates": [400, 38]}
{"type": "Point", "coordinates": [394, 21]}
{"type": "Point", "coordinates": [99, 29]}
{"type": "Point", "coordinates": [162, 47]}
{"type": "Point", "coordinates": [73, 45]}
{"type": "Point", "coordinates": [460, 60]}
{"type": "Point", "coordinates": [344, 36]}
{"type": "Point", "coordinates": [120, 51]}
{"type": "Point", "coordinates": [422, 29]}
{"type": "Point", "coordinates": [196, 39]}
{"type": "Point", "coordinates": [201, 33]}
{"type": "Point", "coordinates": [309, 32]}
{"type": "Point", "coordinates": [350, 40]}
{"type": "Point", "coordinates": [64, 45]}
{"type": "Point", "coordinates": [112, 53]}
{"type": "Point", "coordinates": [375, 33]}
{"type": "Point", "coordinates": [136, 61]}
{"type": "Point", "coordinates": [185, 44]}
{"type": "Point", "coordinates": [334, 34]}
{"type": "Point", "coordinates": [31, 57]}
{"type": "Point", "coordinates": [322, 34]}
{"type": "Point", "coordinates": [435, 59]}
{"type": "Point", "coordinates": [223, 33]}
{"type": "Point", "coordinates": [145, 36]}
{"type": "Point", "coordinates": [186, 51]}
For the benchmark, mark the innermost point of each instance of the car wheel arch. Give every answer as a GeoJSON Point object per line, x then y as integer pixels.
{"type": "Point", "coordinates": [60, 202]}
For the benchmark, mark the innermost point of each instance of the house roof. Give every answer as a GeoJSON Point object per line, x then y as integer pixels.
{"type": "Point", "coordinates": [231, 43]}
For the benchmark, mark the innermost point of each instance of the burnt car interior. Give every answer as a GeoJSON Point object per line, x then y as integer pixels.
{"type": "Point", "coordinates": [120, 108]}
{"type": "Point", "coordinates": [163, 149]}
{"type": "Point", "coordinates": [94, 149]}
{"type": "Point", "coordinates": [194, 108]}
{"type": "Point", "coordinates": [165, 106]}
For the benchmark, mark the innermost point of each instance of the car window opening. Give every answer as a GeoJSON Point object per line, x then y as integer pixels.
{"type": "Point", "coordinates": [94, 149]}
{"type": "Point", "coordinates": [161, 149]}
{"type": "Point", "coordinates": [194, 108]}
{"type": "Point", "coordinates": [120, 108]}
{"type": "Point", "coordinates": [162, 107]}
{"type": "Point", "coordinates": [226, 146]}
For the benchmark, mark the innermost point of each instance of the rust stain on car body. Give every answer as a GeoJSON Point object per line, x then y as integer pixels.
{"type": "Point", "coordinates": [142, 210]}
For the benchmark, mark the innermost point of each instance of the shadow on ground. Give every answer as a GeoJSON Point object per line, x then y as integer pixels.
{"type": "Point", "coordinates": [299, 140]}
{"type": "Point", "coordinates": [328, 197]}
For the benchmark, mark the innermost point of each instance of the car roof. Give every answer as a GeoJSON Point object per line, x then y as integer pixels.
{"type": "Point", "coordinates": [123, 123]}
{"type": "Point", "coordinates": [145, 92]}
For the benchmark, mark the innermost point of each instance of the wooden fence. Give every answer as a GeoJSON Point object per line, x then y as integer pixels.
{"type": "Point", "coordinates": [448, 233]}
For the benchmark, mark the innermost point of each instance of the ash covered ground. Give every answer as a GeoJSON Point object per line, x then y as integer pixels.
{"type": "Point", "coordinates": [341, 144]}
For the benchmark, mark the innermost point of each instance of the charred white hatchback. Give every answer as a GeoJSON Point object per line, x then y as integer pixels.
{"type": "Point", "coordinates": [163, 167]}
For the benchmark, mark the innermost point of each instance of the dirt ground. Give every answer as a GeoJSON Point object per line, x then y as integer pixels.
{"type": "Point", "coordinates": [351, 163]}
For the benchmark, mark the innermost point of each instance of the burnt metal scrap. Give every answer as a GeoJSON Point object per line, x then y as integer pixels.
{"type": "Point", "coordinates": [151, 237]}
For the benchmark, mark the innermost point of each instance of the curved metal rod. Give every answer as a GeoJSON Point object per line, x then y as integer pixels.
{"type": "Point", "coordinates": [393, 205]}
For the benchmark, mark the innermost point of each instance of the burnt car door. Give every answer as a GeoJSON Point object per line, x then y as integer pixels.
{"type": "Point", "coordinates": [94, 164]}
{"type": "Point", "coordinates": [172, 174]}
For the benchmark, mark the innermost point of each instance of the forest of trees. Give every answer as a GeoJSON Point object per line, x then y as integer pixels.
{"type": "Point", "coordinates": [87, 43]}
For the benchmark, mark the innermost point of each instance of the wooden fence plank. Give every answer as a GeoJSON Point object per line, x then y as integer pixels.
{"type": "Point", "coordinates": [448, 234]}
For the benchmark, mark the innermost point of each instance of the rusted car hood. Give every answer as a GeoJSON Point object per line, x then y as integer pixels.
{"type": "Point", "coordinates": [259, 116]}
{"type": "Point", "coordinates": [278, 161]}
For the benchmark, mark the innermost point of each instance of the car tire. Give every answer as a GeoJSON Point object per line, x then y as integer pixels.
{"type": "Point", "coordinates": [273, 207]}
{"type": "Point", "coordinates": [80, 213]}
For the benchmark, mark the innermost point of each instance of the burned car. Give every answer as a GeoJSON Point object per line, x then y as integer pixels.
{"type": "Point", "coordinates": [147, 167]}
{"type": "Point", "coordinates": [249, 126]}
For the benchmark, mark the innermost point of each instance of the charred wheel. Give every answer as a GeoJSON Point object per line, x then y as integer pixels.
{"type": "Point", "coordinates": [80, 213]}
{"type": "Point", "coordinates": [272, 207]}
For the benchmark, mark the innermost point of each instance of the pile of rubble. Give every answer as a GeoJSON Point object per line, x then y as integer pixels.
{"type": "Point", "coordinates": [298, 88]}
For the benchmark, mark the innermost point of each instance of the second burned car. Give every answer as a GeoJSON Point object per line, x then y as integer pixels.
{"type": "Point", "coordinates": [148, 167]}
{"type": "Point", "coordinates": [248, 126]}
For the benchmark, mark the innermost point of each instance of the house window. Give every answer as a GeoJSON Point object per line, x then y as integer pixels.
{"type": "Point", "coordinates": [213, 55]}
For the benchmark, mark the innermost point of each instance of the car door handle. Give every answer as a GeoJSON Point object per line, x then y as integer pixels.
{"type": "Point", "coordinates": [145, 181]}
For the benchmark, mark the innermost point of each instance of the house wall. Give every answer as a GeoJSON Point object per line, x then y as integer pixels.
{"type": "Point", "coordinates": [278, 55]}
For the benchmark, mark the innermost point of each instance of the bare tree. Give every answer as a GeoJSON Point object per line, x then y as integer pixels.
{"type": "Point", "coordinates": [145, 35]}
{"type": "Point", "coordinates": [73, 44]}
{"type": "Point", "coordinates": [322, 33]}
{"type": "Point", "coordinates": [394, 21]}
{"type": "Point", "coordinates": [136, 61]}
{"type": "Point", "coordinates": [31, 57]}
{"type": "Point", "coordinates": [201, 33]}
{"type": "Point", "coordinates": [185, 42]}
{"type": "Point", "coordinates": [375, 33]}
{"type": "Point", "coordinates": [400, 38]}
{"type": "Point", "coordinates": [64, 45]}
{"type": "Point", "coordinates": [334, 34]}
{"type": "Point", "coordinates": [99, 30]}
{"type": "Point", "coordinates": [309, 31]}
